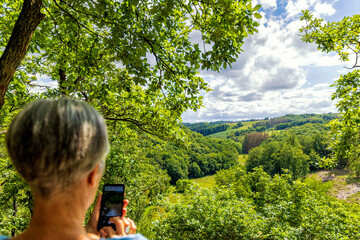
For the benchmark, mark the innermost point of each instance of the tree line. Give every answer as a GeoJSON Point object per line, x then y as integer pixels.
{"type": "Point", "coordinates": [208, 128]}
{"type": "Point", "coordinates": [298, 150]}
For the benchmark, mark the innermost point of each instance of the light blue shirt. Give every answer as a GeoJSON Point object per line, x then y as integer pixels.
{"type": "Point", "coordinates": [137, 236]}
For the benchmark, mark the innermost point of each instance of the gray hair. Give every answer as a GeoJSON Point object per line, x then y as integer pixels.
{"type": "Point", "coordinates": [53, 143]}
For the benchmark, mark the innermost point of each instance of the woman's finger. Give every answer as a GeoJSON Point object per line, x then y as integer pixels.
{"type": "Point", "coordinates": [120, 228]}
{"type": "Point", "coordinates": [126, 224]}
{"type": "Point", "coordinates": [124, 210]}
{"type": "Point", "coordinates": [132, 226]}
{"type": "Point", "coordinates": [102, 234]}
{"type": "Point", "coordinates": [108, 231]}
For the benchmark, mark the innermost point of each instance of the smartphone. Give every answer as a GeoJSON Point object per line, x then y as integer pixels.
{"type": "Point", "coordinates": [112, 202]}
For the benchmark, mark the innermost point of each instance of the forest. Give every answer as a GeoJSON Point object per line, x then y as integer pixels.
{"type": "Point", "coordinates": [273, 194]}
{"type": "Point", "coordinates": [271, 178]}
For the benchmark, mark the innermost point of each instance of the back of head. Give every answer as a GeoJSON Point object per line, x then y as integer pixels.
{"type": "Point", "coordinates": [53, 143]}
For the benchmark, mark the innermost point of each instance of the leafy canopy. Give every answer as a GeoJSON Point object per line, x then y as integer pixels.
{"type": "Point", "coordinates": [136, 61]}
{"type": "Point", "coordinates": [342, 37]}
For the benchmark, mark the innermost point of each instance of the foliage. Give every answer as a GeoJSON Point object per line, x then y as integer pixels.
{"type": "Point", "coordinates": [345, 130]}
{"type": "Point", "coordinates": [343, 38]}
{"type": "Point", "coordinates": [207, 214]}
{"type": "Point", "coordinates": [270, 122]}
{"type": "Point", "coordinates": [15, 198]}
{"type": "Point", "coordinates": [17, 96]}
{"type": "Point", "coordinates": [238, 125]}
{"type": "Point", "coordinates": [313, 139]}
{"type": "Point", "coordinates": [292, 120]}
{"type": "Point", "coordinates": [276, 157]}
{"type": "Point", "coordinates": [288, 121]}
{"type": "Point", "coordinates": [127, 163]}
{"type": "Point", "coordinates": [253, 140]}
{"type": "Point", "coordinates": [273, 208]}
{"type": "Point", "coordinates": [225, 177]}
{"type": "Point", "coordinates": [207, 128]}
{"type": "Point", "coordinates": [327, 163]}
{"type": "Point", "coordinates": [202, 156]}
{"type": "Point", "coordinates": [182, 185]}
{"type": "Point", "coordinates": [133, 60]}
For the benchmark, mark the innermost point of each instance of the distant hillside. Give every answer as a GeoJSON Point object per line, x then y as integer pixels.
{"type": "Point", "coordinates": [203, 156]}
{"type": "Point", "coordinates": [233, 130]}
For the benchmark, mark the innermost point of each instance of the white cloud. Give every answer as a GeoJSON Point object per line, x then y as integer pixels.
{"type": "Point", "coordinates": [294, 7]}
{"type": "Point", "coordinates": [319, 8]}
{"type": "Point", "coordinates": [314, 99]}
{"type": "Point", "coordinates": [42, 83]}
{"type": "Point", "coordinates": [265, 4]}
{"type": "Point", "coordinates": [323, 9]}
{"type": "Point", "coordinates": [271, 77]}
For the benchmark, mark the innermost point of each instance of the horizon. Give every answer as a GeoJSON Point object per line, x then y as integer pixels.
{"type": "Point", "coordinates": [254, 119]}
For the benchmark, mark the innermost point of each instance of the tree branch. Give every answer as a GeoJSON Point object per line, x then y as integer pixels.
{"type": "Point", "coordinates": [139, 125]}
{"type": "Point", "coordinates": [91, 15]}
{"type": "Point", "coordinates": [16, 49]}
{"type": "Point", "coordinates": [55, 23]}
{"type": "Point", "coordinates": [74, 18]}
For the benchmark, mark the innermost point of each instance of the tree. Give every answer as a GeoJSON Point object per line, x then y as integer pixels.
{"type": "Point", "coordinates": [275, 157]}
{"type": "Point", "coordinates": [253, 140]}
{"type": "Point", "coordinates": [342, 37]}
{"type": "Point", "coordinates": [254, 206]}
{"type": "Point", "coordinates": [133, 60]}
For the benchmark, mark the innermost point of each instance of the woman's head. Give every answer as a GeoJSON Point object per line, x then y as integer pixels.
{"type": "Point", "coordinates": [53, 143]}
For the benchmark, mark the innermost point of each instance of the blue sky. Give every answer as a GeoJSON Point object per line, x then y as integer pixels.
{"type": "Point", "coordinates": [277, 74]}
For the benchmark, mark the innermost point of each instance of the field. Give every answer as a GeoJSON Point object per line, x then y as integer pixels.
{"type": "Point", "coordinates": [224, 134]}
{"type": "Point", "coordinates": [209, 181]}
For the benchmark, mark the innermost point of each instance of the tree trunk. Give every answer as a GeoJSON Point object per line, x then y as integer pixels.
{"type": "Point", "coordinates": [15, 51]}
{"type": "Point", "coordinates": [62, 75]}
{"type": "Point", "coordinates": [15, 208]}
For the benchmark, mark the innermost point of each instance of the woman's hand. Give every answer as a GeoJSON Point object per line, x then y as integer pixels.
{"type": "Point", "coordinates": [91, 226]}
{"type": "Point", "coordinates": [124, 226]}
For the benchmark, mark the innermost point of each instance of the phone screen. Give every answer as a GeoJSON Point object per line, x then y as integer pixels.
{"type": "Point", "coordinates": [111, 204]}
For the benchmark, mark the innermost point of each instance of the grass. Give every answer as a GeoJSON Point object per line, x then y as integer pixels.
{"type": "Point", "coordinates": [208, 181]}
{"type": "Point", "coordinates": [354, 198]}
{"type": "Point", "coordinates": [246, 125]}
{"type": "Point", "coordinates": [221, 134]}
{"type": "Point", "coordinates": [225, 134]}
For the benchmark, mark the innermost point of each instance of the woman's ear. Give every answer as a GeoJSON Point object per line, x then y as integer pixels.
{"type": "Point", "coordinates": [93, 176]}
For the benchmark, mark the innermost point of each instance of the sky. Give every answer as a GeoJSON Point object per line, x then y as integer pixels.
{"type": "Point", "coordinates": [277, 74]}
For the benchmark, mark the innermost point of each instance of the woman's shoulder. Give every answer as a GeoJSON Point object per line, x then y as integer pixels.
{"type": "Point", "coordinates": [3, 237]}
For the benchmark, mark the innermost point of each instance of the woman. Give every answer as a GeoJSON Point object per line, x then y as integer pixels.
{"type": "Point", "coordinates": [59, 148]}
